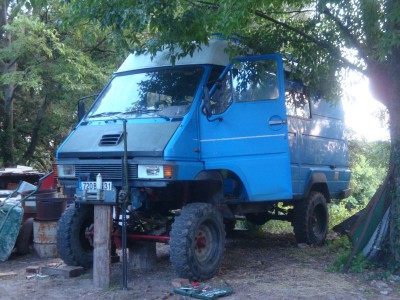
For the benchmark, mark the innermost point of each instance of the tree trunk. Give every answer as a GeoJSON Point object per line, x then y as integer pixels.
{"type": "Point", "coordinates": [394, 182]}
{"type": "Point", "coordinates": [7, 140]}
{"type": "Point", "coordinates": [7, 136]}
{"type": "Point", "coordinates": [35, 131]}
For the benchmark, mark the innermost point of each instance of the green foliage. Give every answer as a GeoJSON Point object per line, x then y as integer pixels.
{"type": "Point", "coordinates": [338, 212]}
{"type": "Point", "coordinates": [54, 66]}
{"type": "Point", "coordinates": [369, 165]}
{"type": "Point", "coordinates": [342, 248]}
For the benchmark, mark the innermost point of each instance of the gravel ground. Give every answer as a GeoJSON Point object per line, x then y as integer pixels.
{"type": "Point", "coordinates": [263, 267]}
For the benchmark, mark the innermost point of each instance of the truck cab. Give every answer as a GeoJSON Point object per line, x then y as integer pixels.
{"type": "Point", "coordinates": [192, 146]}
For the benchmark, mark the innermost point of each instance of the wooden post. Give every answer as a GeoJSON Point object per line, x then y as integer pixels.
{"type": "Point", "coordinates": [102, 245]}
{"type": "Point", "coordinates": [142, 256]}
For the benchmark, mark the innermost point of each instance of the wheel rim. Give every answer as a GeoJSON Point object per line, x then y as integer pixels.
{"type": "Point", "coordinates": [204, 242]}
{"type": "Point", "coordinates": [86, 237]}
{"type": "Point", "coordinates": [318, 220]}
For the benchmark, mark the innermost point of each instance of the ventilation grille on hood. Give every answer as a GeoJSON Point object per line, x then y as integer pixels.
{"type": "Point", "coordinates": [111, 139]}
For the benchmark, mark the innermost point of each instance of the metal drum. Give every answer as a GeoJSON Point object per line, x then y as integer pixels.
{"type": "Point", "coordinates": [45, 238]}
{"type": "Point", "coordinates": [49, 209]}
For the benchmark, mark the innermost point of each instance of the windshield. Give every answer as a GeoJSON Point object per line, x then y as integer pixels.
{"type": "Point", "coordinates": [166, 93]}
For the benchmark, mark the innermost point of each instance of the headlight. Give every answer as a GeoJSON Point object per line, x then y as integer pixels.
{"type": "Point", "coordinates": [66, 171]}
{"type": "Point", "coordinates": [154, 171]}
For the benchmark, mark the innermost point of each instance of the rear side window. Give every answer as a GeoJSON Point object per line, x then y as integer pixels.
{"type": "Point", "coordinates": [255, 81]}
{"type": "Point", "coordinates": [297, 102]}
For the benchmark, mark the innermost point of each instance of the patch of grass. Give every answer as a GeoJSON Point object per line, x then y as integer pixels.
{"type": "Point", "coordinates": [276, 226]}
{"type": "Point", "coordinates": [113, 287]}
{"type": "Point", "coordinates": [381, 275]}
{"type": "Point", "coordinates": [86, 276]}
{"type": "Point", "coordinates": [343, 248]}
{"type": "Point", "coordinates": [272, 226]}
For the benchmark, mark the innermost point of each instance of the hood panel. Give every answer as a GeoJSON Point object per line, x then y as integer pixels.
{"type": "Point", "coordinates": [144, 139]}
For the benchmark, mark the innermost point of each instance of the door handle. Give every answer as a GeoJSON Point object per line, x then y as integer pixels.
{"type": "Point", "coordinates": [277, 122]}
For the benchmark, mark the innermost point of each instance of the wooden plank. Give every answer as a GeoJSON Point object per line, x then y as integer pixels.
{"type": "Point", "coordinates": [65, 271]}
{"type": "Point", "coordinates": [33, 269]}
{"type": "Point", "coordinates": [102, 246]}
{"type": "Point", "coordinates": [8, 275]}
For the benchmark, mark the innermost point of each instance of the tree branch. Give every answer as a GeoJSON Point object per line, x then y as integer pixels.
{"type": "Point", "coordinates": [206, 3]}
{"type": "Point", "coordinates": [11, 63]}
{"type": "Point", "coordinates": [335, 52]}
{"type": "Point", "coordinates": [345, 30]}
{"type": "Point", "coordinates": [292, 12]}
{"type": "Point", "coordinates": [95, 47]}
{"type": "Point", "coordinates": [35, 131]}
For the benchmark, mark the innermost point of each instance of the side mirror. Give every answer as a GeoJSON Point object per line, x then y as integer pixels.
{"type": "Point", "coordinates": [82, 106]}
{"type": "Point", "coordinates": [81, 109]}
{"type": "Point", "coordinates": [207, 101]}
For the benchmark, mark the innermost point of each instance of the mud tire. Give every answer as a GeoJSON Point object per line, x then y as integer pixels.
{"type": "Point", "coordinates": [310, 220]}
{"type": "Point", "coordinates": [73, 246]}
{"type": "Point", "coordinates": [197, 241]}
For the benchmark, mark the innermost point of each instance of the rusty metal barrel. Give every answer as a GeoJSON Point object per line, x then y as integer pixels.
{"type": "Point", "coordinates": [45, 238]}
{"type": "Point", "coordinates": [49, 209]}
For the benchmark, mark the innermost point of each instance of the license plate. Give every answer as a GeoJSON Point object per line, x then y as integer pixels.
{"type": "Point", "coordinates": [91, 185]}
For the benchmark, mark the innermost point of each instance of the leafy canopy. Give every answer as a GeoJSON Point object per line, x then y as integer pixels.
{"type": "Point", "coordinates": [322, 36]}
{"type": "Point", "coordinates": [53, 66]}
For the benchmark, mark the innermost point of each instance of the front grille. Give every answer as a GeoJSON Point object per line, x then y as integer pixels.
{"type": "Point", "coordinates": [107, 171]}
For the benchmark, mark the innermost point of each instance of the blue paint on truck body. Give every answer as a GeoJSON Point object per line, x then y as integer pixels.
{"type": "Point", "coordinates": [264, 139]}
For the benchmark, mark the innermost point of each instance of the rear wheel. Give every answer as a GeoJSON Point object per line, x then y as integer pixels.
{"type": "Point", "coordinates": [74, 247]}
{"type": "Point", "coordinates": [310, 220]}
{"type": "Point", "coordinates": [197, 241]}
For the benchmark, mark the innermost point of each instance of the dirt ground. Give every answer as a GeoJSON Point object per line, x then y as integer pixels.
{"type": "Point", "coordinates": [265, 267]}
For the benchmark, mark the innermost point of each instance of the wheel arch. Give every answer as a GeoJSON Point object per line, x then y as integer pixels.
{"type": "Point", "coordinates": [318, 183]}
{"type": "Point", "coordinates": [212, 188]}
{"type": "Point", "coordinates": [209, 186]}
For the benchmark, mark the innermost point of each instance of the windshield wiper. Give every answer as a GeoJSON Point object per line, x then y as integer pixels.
{"type": "Point", "coordinates": [147, 111]}
{"type": "Point", "coordinates": [106, 114]}
{"type": "Point", "coordinates": [138, 110]}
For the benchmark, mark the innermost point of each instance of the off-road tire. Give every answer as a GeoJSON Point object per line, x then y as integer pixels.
{"type": "Point", "coordinates": [310, 220]}
{"type": "Point", "coordinates": [197, 241]}
{"type": "Point", "coordinates": [72, 245]}
{"type": "Point", "coordinates": [25, 237]}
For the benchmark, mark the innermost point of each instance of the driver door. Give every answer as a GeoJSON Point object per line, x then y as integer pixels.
{"type": "Point", "coordinates": [247, 132]}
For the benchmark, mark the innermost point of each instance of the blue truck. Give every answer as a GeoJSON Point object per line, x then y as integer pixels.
{"type": "Point", "coordinates": [186, 149]}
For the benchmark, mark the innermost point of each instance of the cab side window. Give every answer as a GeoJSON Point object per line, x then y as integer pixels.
{"type": "Point", "coordinates": [255, 81]}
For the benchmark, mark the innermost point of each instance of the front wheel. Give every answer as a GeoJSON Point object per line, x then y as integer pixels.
{"type": "Point", "coordinates": [310, 220]}
{"type": "Point", "coordinates": [197, 241]}
{"type": "Point", "coordinates": [73, 246]}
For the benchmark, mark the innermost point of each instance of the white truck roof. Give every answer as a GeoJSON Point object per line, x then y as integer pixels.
{"type": "Point", "coordinates": [213, 54]}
